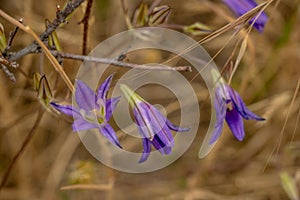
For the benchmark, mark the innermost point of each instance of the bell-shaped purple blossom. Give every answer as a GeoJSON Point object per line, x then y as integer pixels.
{"type": "Point", "coordinates": [240, 7]}
{"type": "Point", "coordinates": [94, 109]}
{"type": "Point", "coordinates": [231, 108]}
{"type": "Point", "coordinates": [153, 127]}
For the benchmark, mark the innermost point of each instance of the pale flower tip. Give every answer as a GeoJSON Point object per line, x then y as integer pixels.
{"type": "Point", "coordinates": [142, 160]}
{"type": "Point", "coordinates": [126, 91]}
{"type": "Point", "coordinates": [130, 95]}
{"type": "Point", "coordinates": [125, 88]}
{"type": "Point", "coordinates": [240, 137]}
{"type": "Point", "coordinates": [144, 157]}
{"type": "Point", "coordinates": [185, 129]}
{"type": "Point", "coordinates": [260, 118]}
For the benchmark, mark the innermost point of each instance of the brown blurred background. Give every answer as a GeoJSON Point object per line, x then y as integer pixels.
{"type": "Point", "coordinates": [266, 79]}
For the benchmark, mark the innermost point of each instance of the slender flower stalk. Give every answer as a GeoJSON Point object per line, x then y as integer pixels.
{"type": "Point", "coordinates": [231, 108]}
{"type": "Point", "coordinates": [240, 7]}
{"type": "Point", "coordinates": [153, 127]}
{"type": "Point", "coordinates": [94, 109]}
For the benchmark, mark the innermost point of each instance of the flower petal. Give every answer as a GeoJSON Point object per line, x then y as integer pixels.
{"type": "Point", "coordinates": [110, 107]}
{"type": "Point", "coordinates": [85, 97]}
{"type": "Point", "coordinates": [108, 132]}
{"type": "Point", "coordinates": [241, 107]}
{"type": "Point", "coordinates": [67, 109]}
{"type": "Point", "coordinates": [251, 115]}
{"type": "Point", "coordinates": [159, 125]}
{"type": "Point", "coordinates": [81, 124]}
{"type": "Point", "coordinates": [260, 23]}
{"type": "Point", "coordinates": [152, 123]}
{"type": "Point", "coordinates": [143, 122]}
{"type": "Point", "coordinates": [240, 7]}
{"type": "Point", "coordinates": [147, 150]}
{"type": "Point", "coordinates": [235, 123]}
{"type": "Point", "coordinates": [162, 146]}
{"type": "Point", "coordinates": [104, 87]}
{"type": "Point", "coordinates": [216, 133]}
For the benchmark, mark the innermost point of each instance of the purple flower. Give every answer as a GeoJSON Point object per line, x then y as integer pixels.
{"type": "Point", "coordinates": [240, 7]}
{"type": "Point", "coordinates": [153, 127]}
{"type": "Point", "coordinates": [230, 106]}
{"type": "Point", "coordinates": [93, 111]}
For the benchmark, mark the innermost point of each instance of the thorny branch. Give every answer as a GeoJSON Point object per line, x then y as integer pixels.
{"type": "Point", "coordinates": [60, 18]}
{"type": "Point", "coordinates": [9, 74]}
{"type": "Point", "coordinates": [9, 58]}
{"type": "Point", "coordinates": [119, 63]}
{"type": "Point", "coordinates": [5, 64]}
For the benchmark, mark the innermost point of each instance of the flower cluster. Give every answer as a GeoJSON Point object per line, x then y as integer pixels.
{"type": "Point", "coordinates": [95, 110]}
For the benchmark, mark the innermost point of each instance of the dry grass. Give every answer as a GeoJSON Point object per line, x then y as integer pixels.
{"type": "Point", "coordinates": [54, 159]}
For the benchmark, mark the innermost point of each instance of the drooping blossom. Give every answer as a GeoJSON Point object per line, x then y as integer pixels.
{"type": "Point", "coordinates": [94, 109]}
{"type": "Point", "coordinates": [231, 108]}
{"type": "Point", "coordinates": [240, 7]}
{"type": "Point", "coordinates": [153, 127]}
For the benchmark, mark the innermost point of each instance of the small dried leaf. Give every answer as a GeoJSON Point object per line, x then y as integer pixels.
{"type": "Point", "coordinates": [56, 41]}
{"type": "Point", "coordinates": [140, 17]}
{"type": "Point", "coordinates": [36, 81]}
{"type": "Point", "coordinates": [50, 39]}
{"type": "Point", "coordinates": [44, 92]}
{"type": "Point", "coordinates": [41, 86]}
{"type": "Point", "coordinates": [197, 29]}
{"type": "Point", "coordinates": [289, 185]}
{"type": "Point", "coordinates": [159, 15]}
{"type": "Point", "coordinates": [53, 39]}
{"type": "Point", "coordinates": [3, 42]}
